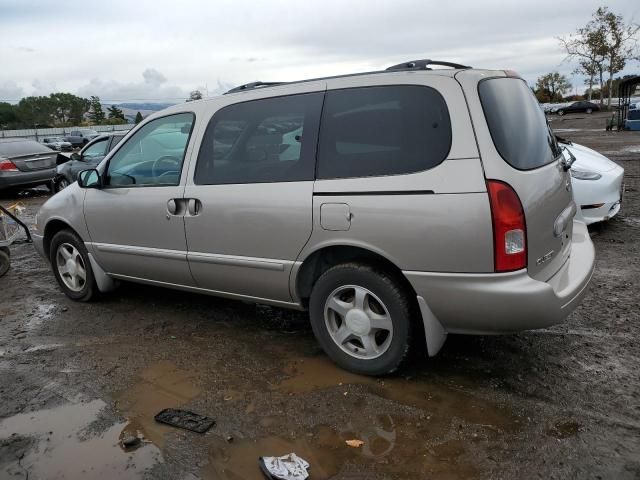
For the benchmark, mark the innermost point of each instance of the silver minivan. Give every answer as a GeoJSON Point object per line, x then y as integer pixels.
{"type": "Point", "coordinates": [394, 206]}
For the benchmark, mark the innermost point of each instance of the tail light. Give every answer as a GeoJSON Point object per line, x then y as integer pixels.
{"type": "Point", "coordinates": [509, 229]}
{"type": "Point", "coordinates": [7, 166]}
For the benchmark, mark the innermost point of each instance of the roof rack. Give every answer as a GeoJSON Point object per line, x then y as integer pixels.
{"type": "Point", "coordinates": [252, 85]}
{"type": "Point", "coordinates": [424, 65]}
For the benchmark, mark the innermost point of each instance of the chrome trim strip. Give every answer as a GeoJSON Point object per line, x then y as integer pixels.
{"type": "Point", "coordinates": [237, 261]}
{"type": "Point", "coordinates": [140, 251]}
{"type": "Point", "coordinates": [216, 293]}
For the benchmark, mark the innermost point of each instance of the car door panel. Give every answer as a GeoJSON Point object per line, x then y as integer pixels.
{"type": "Point", "coordinates": [133, 234]}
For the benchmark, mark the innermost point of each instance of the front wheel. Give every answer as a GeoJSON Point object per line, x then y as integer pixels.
{"type": "Point", "coordinates": [361, 316]}
{"type": "Point", "coordinates": [70, 263]}
{"type": "Point", "coordinates": [61, 184]}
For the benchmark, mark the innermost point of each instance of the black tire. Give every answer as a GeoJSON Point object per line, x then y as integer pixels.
{"type": "Point", "coordinates": [589, 110]}
{"type": "Point", "coordinates": [60, 184]}
{"type": "Point", "coordinates": [84, 142]}
{"type": "Point", "coordinates": [5, 261]}
{"type": "Point", "coordinates": [394, 298]}
{"type": "Point", "coordinates": [89, 289]}
{"type": "Point", "coordinates": [560, 112]}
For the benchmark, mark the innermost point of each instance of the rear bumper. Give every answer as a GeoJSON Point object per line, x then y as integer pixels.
{"type": "Point", "coordinates": [508, 302]}
{"type": "Point", "coordinates": [26, 179]}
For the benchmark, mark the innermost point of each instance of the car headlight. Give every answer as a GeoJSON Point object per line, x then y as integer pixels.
{"type": "Point", "coordinates": [585, 174]}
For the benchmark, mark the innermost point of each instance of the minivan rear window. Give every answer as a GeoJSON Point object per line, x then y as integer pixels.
{"type": "Point", "coordinates": [517, 123]}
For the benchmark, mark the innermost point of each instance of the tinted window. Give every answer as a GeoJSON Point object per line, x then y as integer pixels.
{"type": "Point", "coordinates": [267, 140]}
{"type": "Point", "coordinates": [22, 147]}
{"type": "Point", "coordinates": [382, 131]}
{"type": "Point", "coordinates": [518, 127]}
{"type": "Point", "coordinates": [154, 154]}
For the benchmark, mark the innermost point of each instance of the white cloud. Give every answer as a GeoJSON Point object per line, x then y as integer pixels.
{"type": "Point", "coordinates": [179, 47]}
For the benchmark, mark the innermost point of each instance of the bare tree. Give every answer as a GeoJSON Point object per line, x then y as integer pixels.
{"type": "Point", "coordinates": [587, 46]}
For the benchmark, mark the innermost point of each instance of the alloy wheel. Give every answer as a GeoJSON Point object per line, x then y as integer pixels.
{"type": "Point", "coordinates": [71, 267]}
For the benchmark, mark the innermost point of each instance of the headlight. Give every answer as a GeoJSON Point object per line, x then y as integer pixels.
{"type": "Point", "coordinates": [585, 174]}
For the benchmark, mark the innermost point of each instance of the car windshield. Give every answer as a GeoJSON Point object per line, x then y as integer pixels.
{"type": "Point", "coordinates": [517, 124]}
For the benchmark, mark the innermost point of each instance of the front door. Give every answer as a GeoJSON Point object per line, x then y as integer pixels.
{"type": "Point", "coordinates": [250, 201]}
{"type": "Point", "coordinates": [136, 221]}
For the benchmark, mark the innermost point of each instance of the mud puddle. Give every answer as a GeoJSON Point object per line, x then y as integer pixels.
{"type": "Point", "coordinates": [160, 386]}
{"type": "Point", "coordinates": [438, 436]}
{"type": "Point", "coordinates": [66, 442]}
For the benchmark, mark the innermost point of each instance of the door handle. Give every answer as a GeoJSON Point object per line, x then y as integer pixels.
{"type": "Point", "coordinates": [194, 206]}
{"type": "Point", "coordinates": [172, 207]}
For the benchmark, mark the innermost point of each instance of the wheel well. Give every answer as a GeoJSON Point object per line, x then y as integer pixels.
{"type": "Point", "coordinates": [53, 227]}
{"type": "Point", "coordinates": [319, 262]}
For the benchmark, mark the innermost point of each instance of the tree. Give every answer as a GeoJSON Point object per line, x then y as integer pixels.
{"type": "Point", "coordinates": [115, 112]}
{"type": "Point", "coordinates": [138, 118]}
{"type": "Point", "coordinates": [8, 115]}
{"type": "Point", "coordinates": [552, 86]}
{"type": "Point", "coordinates": [587, 46]}
{"type": "Point", "coordinates": [36, 112]}
{"type": "Point", "coordinates": [195, 95]}
{"type": "Point", "coordinates": [619, 43]}
{"type": "Point", "coordinates": [68, 108]}
{"type": "Point", "coordinates": [96, 114]}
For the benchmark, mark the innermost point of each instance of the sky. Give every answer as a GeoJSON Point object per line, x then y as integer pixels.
{"type": "Point", "coordinates": [145, 50]}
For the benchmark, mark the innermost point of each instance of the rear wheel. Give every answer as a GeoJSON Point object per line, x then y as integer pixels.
{"type": "Point", "coordinates": [71, 267]}
{"type": "Point", "coordinates": [589, 110]}
{"type": "Point", "coordinates": [361, 317]}
{"type": "Point", "coordinates": [560, 112]}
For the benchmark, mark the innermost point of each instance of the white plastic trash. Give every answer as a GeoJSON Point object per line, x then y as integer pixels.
{"type": "Point", "coordinates": [287, 467]}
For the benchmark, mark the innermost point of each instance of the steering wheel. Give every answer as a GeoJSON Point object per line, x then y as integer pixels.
{"type": "Point", "coordinates": [171, 161]}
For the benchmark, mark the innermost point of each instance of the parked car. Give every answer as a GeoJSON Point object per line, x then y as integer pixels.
{"type": "Point", "coordinates": [597, 183]}
{"type": "Point", "coordinates": [413, 201]}
{"type": "Point", "coordinates": [57, 143]}
{"type": "Point", "coordinates": [89, 157]}
{"type": "Point", "coordinates": [577, 107]}
{"type": "Point", "coordinates": [25, 163]}
{"type": "Point", "coordinates": [80, 137]}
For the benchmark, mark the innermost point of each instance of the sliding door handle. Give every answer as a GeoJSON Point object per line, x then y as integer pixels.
{"type": "Point", "coordinates": [194, 207]}
{"type": "Point", "coordinates": [172, 207]}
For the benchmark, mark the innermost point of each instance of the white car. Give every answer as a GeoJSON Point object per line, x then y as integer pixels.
{"type": "Point", "coordinates": [597, 183]}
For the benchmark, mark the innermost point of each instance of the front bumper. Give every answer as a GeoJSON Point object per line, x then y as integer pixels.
{"type": "Point", "coordinates": [26, 179]}
{"type": "Point", "coordinates": [495, 303]}
{"type": "Point", "coordinates": [606, 192]}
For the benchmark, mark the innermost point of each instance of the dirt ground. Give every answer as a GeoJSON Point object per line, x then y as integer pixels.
{"type": "Point", "coordinates": [560, 403]}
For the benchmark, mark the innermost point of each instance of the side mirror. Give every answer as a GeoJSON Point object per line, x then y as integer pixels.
{"type": "Point", "coordinates": [76, 156]}
{"type": "Point", "coordinates": [90, 179]}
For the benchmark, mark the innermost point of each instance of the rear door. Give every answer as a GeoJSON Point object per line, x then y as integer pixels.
{"type": "Point", "coordinates": [518, 147]}
{"type": "Point", "coordinates": [250, 193]}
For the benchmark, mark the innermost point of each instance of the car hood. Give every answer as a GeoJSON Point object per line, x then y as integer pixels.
{"type": "Point", "coordinates": [588, 159]}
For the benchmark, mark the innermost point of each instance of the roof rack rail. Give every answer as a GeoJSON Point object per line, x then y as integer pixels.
{"type": "Point", "coordinates": [424, 65]}
{"type": "Point", "coordinates": [252, 85]}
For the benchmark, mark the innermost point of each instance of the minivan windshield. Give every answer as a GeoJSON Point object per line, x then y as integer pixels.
{"type": "Point", "coordinates": [517, 124]}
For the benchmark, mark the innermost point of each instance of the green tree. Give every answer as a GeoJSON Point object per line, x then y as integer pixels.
{"type": "Point", "coordinates": [138, 118]}
{"type": "Point", "coordinates": [8, 115]}
{"type": "Point", "coordinates": [115, 112]}
{"type": "Point", "coordinates": [96, 114]}
{"type": "Point", "coordinates": [551, 87]}
{"type": "Point", "coordinates": [36, 112]}
{"type": "Point", "coordinates": [68, 108]}
{"type": "Point", "coordinates": [195, 95]}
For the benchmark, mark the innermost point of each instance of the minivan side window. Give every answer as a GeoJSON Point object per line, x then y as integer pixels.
{"type": "Point", "coordinates": [386, 130]}
{"type": "Point", "coordinates": [260, 141]}
{"type": "Point", "coordinates": [153, 156]}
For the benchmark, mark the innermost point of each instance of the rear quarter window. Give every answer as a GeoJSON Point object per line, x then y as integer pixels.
{"type": "Point", "coordinates": [517, 123]}
{"type": "Point", "coordinates": [385, 130]}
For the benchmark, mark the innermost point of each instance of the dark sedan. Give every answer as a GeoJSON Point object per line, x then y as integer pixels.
{"type": "Point", "coordinates": [89, 157]}
{"type": "Point", "coordinates": [25, 163]}
{"type": "Point", "coordinates": [579, 107]}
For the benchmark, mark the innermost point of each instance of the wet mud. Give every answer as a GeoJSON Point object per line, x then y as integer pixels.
{"type": "Point", "coordinates": [81, 383]}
